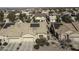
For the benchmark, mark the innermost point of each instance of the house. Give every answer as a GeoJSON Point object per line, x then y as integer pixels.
{"type": "Point", "coordinates": [45, 12]}
{"type": "Point", "coordinates": [40, 17]}
{"type": "Point", "coordinates": [52, 18]}
{"type": "Point", "coordinates": [19, 32]}
{"type": "Point", "coordinates": [74, 37]}
{"type": "Point", "coordinates": [39, 29]}
{"type": "Point", "coordinates": [26, 12]}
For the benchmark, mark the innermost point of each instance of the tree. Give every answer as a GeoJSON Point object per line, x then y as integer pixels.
{"type": "Point", "coordinates": [52, 31]}
{"type": "Point", "coordinates": [1, 16]}
{"type": "Point", "coordinates": [42, 41]}
{"type": "Point", "coordinates": [77, 17]}
{"type": "Point", "coordinates": [28, 19]}
{"type": "Point", "coordinates": [11, 16]}
{"type": "Point", "coordinates": [39, 42]}
{"type": "Point", "coordinates": [57, 35]}
{"type": "Point", "coordinates": [62, 43]}
{"type": "Point", "coordinates": [58, 19]}
{"type": "Point", "coordinates": [22, 17]}
{"type": "Point", "coordinates": [67, 18]}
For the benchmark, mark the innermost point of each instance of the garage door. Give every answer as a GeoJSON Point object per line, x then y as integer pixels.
{"type": "Point", "coordinates": [28, 37]}
{"type": "Point", "coordinates": [13, 39]}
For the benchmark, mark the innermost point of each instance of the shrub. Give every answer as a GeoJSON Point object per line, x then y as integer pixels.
{"type": "Point", "coordinates": [36, 46]}
{"type": "Point", "coordinates": [37, 40]}
{"type": "Point", "coordinates": [47, 44]}
{"type": "Point", "coordinates": [17, 48]}
{"type": "Point", "coordinates": [5, 43]}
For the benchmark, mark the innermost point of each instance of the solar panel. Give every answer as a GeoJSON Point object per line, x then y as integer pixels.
{"type": "Point", "coordinates": [35, 25]}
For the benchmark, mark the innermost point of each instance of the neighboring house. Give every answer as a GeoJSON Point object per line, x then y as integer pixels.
{"type": "Point", "coordinates": [17, 15]}
{"type": "Point", "coordinates": [74, 40]}
{"type": "Point", "coordinates": [73, 37]}
{"type": "Point", "coordinates": [40, 17]}
{"type": "Point", "coordinates": [52, 18]}
{"type": "Point", "coordinates": [45, 12]}
{"type": "Point", "coordinates": [26, 12]}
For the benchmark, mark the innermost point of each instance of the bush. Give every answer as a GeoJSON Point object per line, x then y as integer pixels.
{"type": "Point", "coordinates": [37, 40]}
{"type": "Point", "coordinates": [5, 43]}
{"type": "Point", "coordinates": [70, 46]}
{"type": "Point", "coordinates": [20, 44]}
{"type": "Point", "coordinates": [73, 49]}
{"type": "Point", "coordinates": [36, 46]}
{"type": "Point", "coordinates": [42, 40]}
{"type": "Point", "coordinates": [17, 48]}
{"type": "Point", "coordinates": [47, 44]}
{"type": "Point", "coordinates": [66, 18]}
{"type": "Point", "coordinates": [57, 35]}
{"type": "Point", "coordinates": [41, 44]}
